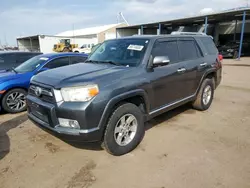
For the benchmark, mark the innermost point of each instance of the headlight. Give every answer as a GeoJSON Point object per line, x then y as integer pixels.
{"type": "Point", "coordinates": [82, 93]}
{"type": "Point", "coordinates": [230, 50]}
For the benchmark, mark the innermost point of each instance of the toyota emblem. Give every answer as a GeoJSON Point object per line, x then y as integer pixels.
{"type": "Point", "coordinates": [38, 91]}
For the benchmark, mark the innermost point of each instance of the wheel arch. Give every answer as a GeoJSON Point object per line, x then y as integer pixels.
{"type": "Point", "coordinates": [209, 74]}
{"type": "Point", "coordinates": [11, 88]}
{"type": "Point", "coordinates": [137, 97]}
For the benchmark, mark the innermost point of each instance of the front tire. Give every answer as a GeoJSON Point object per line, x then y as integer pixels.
{"type": "Point", "coordinates": [125, 130]}
{"type": "Point", "coordinates": [14, 101]}
{"type": "Point", "coordinates": [205, 96]}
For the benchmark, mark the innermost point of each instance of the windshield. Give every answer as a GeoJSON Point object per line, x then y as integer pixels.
{"type": "Point", "coordinates": [31, 64]}
{"type": "Point", "coordinates": [126, 52]}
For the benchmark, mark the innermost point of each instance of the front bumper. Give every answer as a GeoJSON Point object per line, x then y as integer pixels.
{"type": "Point", "coordinates": [45, 115]}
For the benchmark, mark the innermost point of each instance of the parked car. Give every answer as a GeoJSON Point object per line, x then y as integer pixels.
{"type": "Point", "coordinates": [14, 83]}
{"type": "Point", "coordinates": [12, 59]}
{"type": "Point", "coordinates": [231, 49]}
{"type": "Point", "coordinates": [124, 83]}
{"type": "Point", "coordinates": [86, 48]}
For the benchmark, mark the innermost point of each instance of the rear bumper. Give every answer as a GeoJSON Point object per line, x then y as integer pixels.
{"type": "Point", "coordinates": [48, 121]}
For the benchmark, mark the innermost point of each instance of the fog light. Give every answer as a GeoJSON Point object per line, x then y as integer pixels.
{"type": "Point", "coordinates": [69, 123]}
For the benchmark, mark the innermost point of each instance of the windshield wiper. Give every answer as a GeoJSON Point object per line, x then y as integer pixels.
{"type": "Point", "coordinates": [12, 68]}
{"type": "Point", "coordinates": [91, 61]}
{"type": "Point", "coordinates": [111, 62]}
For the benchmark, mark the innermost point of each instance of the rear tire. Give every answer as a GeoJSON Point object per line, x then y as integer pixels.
{"type": "Point", "coordinates": [205, 96]}
{"type": "Point", "coordinates": [125, 130]}
{"type": "Point", "coordinates": [14, 101]}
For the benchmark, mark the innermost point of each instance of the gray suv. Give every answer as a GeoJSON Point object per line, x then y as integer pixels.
{"type": "Point", "coordinates": [123, 84]}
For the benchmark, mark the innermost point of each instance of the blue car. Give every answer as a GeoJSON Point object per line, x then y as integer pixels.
{"type": "Point", "coordinates": [14, 83]}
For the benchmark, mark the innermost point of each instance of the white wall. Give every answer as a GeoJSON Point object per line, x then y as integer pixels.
{"type": "Point", "coordinates": [47, 42]}
{"type": "Point", "coordinates": [126, 32]}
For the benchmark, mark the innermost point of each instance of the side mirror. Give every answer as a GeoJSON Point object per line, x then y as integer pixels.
{"type": "Point", "coordinates": [160, 61]}
{"type": "Point", "coordinates": [42, 69]}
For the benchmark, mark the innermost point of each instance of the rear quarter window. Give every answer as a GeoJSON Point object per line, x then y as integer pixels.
{"type": "Point", "coordinates": [209, 45]}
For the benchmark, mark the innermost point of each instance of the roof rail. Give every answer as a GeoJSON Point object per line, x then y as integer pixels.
{"type": "Point", "coordinates": [187, 33]}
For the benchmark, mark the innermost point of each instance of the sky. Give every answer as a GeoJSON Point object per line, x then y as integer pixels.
{"type": "Point", "coordinates": [31, 17]}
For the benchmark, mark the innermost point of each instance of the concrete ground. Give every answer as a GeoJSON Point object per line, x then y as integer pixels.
{"type": "Point", "coordinates": [182, 148]}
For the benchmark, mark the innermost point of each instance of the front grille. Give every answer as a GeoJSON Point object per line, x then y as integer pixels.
{"type": "Point", "coordinates": [45, 94]}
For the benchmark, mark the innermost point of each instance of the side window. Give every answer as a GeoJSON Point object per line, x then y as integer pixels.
{"type": "Point", "coordinates": [166, 48]}
{"type": "Point", "coordinates": [59, 62]}
{"type": "Point", "coordinates": [75, 60]}
{"type": "Point", "coordinates": [1, 59]}
{"type": "Point", "coordinates": [188, 49]}
{"type": "Point", "coordinates": [23, 57]}
{"type": "Point", "coordinates": [209, 45]}
{"type": "Point", "coordinates": [10, 58]}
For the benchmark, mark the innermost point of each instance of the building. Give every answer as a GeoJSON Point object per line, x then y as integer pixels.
{"type": "Point", "coordinates": [45, 43]}
{"type": "Point", "coordinates": [226, 26]}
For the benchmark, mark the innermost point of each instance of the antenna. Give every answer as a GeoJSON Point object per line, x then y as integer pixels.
{"type": "Point", "coordinates": [121, 18]}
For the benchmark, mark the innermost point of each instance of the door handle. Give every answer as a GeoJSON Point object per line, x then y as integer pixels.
{"type": "Point", "coordinates": [203, 64]}
{"type": "Point", "coordinates": [181, 70]}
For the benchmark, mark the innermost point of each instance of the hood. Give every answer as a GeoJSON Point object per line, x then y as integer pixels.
{"type": "Point", "coordinates": [76, 74]}
{"type": "Point", "coordinates": [7, 75]}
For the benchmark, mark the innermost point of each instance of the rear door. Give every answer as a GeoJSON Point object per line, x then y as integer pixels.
{"type": "Point", "coordinates": [191, 56]}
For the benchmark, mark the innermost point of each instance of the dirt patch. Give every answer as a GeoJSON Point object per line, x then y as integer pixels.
{"type": "Point", "coordinates": [34, 137]}
{"type": "Point", "coordinates": [52, 147]}
{"type": "Point", "coordinates": [4, 170]}
{"type": "Point", "coordinates": [84, 178]}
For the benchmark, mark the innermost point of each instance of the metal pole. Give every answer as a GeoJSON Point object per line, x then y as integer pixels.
{"type": "Point", "coordinates": [142, 30]}
{"type": "Point", "coordinates": [242, 33]}
{"type": "Point", "coordinates": [235, 29]}
{"type": "Point", "coordinates": [159, 29]}
{"type": "Point", "coordinates": [31, 46]}
{"type": "Point", "coordinates": [206, 24]}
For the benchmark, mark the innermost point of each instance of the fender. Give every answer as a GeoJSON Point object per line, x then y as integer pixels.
{"type": "Point", "coordinates": [212, 70]}
{"type": "Point", "coordinates": [112, 102]}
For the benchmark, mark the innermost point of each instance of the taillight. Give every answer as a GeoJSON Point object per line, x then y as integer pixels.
{"type": "Point", "coordinates": [219, 60]}
{"type": "Point", "coordinates": [220, 57]}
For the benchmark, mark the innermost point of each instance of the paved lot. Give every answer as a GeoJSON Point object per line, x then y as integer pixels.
{"type": "Point", "coordinates": [182, 148]}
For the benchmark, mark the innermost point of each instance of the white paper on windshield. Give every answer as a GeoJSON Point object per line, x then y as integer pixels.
{"type": "Point", "coordinates": [44, 58]}
{"type": "Point", "coordinates": [135, 47]}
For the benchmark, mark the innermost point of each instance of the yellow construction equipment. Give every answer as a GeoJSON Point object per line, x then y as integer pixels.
{"type": "Point", "coordinates": [64, 46]}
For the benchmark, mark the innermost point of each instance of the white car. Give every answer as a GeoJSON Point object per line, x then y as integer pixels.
{"type": "Point", "coordinates": [86, 48]}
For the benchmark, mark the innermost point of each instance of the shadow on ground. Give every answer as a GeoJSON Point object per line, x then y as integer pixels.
{"type": "Point", "coordinates": [4, 128]}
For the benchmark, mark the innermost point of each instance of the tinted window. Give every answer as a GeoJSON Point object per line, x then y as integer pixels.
{"type": "Point", "coordinates": [166, 48]}
{"type": "Point", "coordinates": [209, 45]}
{"type": "Point", "coordinates": [1, 59]}
{"type": "Point", "coordinates": [9, 58]}
{"type": "Point", "coordinates": [187, 49]}
{"type": "Point", "coordinates": [59, 62]}
{"type": "Point", "coordinates": [79, 59]}
{"type": "Point", "coordinates": [23, 57]}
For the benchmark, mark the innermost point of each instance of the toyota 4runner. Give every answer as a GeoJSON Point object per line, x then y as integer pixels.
{"type": "Point", "coordinates": [123, 84]}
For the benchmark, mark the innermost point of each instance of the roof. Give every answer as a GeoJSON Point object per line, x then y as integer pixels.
{"type": "Point", "coordinates": [223, 16]}
{"type": "Point", "coordinates": [87, 31]}
{"type": "Point", "coordinates": [64, 54]}
{"type": "Point", "coordinates": [158, 36]}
